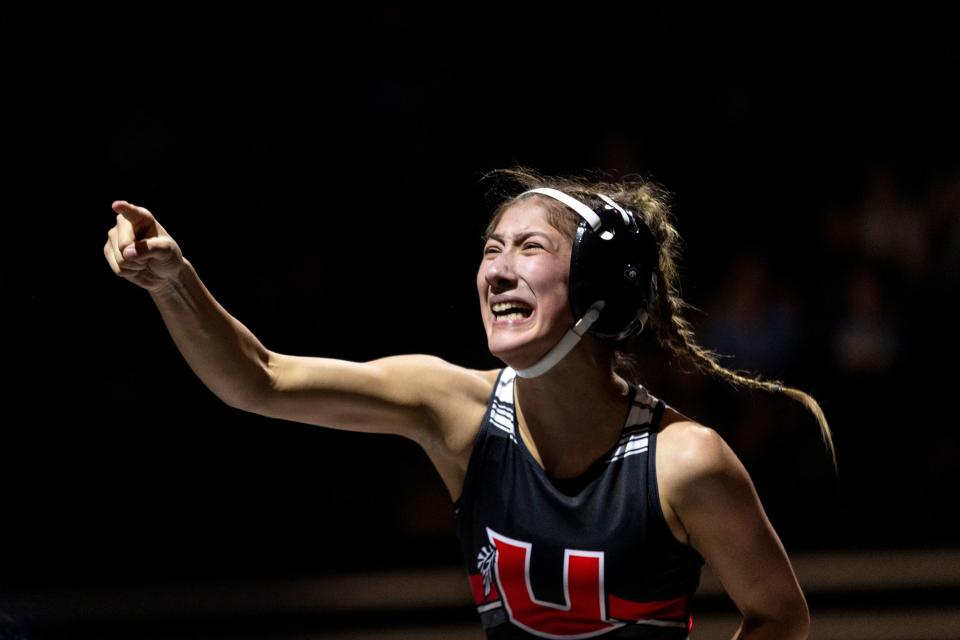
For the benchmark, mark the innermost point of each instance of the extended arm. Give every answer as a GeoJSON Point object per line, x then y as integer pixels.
{"type": "Point", "coordinates": [412, 395]}
{"type": "Point", "coordinates": [223, 353]}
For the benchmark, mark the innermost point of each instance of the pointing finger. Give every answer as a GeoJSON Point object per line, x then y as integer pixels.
{"type": "Point", "coordinates": [131, 222]}
{"type": "Point", "coordinates": [136, 215]}
{"type": "Point", "coordinates": [119, 205]}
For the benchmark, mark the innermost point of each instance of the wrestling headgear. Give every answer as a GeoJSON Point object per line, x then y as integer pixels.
{"type": "Point", "coordinates": [611, 276]}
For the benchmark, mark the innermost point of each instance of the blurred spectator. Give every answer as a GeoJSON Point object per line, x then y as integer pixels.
{"type": "Point", "coordinates": [866, 339]}
{"type": "Point", "coordinates": [891, 227]}
{"type": "Point", "coordinates": [752, 322]}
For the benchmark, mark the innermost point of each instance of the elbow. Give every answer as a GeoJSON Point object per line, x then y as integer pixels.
{"type": "Point", "coordinates": [250, 402]}
{"type": "Point", "coordinates": [246, 398]}
{"type": "Point", "coordinates": [235, 403]}
{"type": "Point", "coordinates": [797, 628]}
{"type": "Point", "coordinates": [249, 392]}
{"type": "Point", "coordinates": [788, 625]}
{"type": "Point", "coordinates": [780, 629]}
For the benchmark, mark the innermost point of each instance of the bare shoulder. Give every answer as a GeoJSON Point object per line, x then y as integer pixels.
{"type": "Point", "coordinates": [456, 396]}
{"type": "Point", "coordinates": [690, 458]}
{"type": "Point", "coordinates": [689, 448]}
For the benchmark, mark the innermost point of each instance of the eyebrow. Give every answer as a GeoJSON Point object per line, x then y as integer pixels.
{"type": "Point", "coordinates": [519, 238]}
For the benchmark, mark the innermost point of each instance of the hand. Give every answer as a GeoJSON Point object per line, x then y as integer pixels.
{"type": "Point", "coordinates": [141, 250]}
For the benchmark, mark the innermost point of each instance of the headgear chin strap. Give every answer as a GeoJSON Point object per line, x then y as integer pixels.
{"type": "Point", "coordinates": [593, 225]}
{"type": "Point", "coordinates": [567, 342]}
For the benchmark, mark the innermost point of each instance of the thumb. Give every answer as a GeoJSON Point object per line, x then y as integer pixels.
{"type": "Point", "coordinates": [151, 248]}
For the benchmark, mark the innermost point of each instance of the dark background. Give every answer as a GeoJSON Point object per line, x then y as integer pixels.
{"type": "Point", "coordinates": [321, 170]}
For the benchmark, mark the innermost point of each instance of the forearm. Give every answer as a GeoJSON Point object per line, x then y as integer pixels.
{"type": "Point", "coordinates": [223, 353]}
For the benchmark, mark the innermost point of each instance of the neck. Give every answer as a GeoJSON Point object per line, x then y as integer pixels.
{"type": "Point", "coordinates": [574, 412]}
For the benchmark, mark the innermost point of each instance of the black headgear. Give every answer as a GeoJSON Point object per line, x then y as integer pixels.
{"type": "Point", "coordinates": [612, 267]}
{"type": "Point", "coordinates": [615, 264]}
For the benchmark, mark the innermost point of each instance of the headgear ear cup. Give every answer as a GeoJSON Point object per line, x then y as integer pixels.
{"type": "Point", "coordinates": [615, 265]}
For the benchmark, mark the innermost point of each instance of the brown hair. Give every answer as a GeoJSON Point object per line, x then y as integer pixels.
{"type": "Point", "coordinates": [672, 331]}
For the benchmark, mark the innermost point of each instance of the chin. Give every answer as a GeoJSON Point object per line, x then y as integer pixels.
{"type": "Point", "coordinates": [517, 355]}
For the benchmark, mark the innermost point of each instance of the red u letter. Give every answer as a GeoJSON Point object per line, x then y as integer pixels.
{"type": "Point", "coordinates": [584, 614]}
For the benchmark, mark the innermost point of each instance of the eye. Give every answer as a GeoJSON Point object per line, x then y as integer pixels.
{"type": "Point", "coordinates": [532, 245]}
{"type": "Point", "coordinates": [490, 249]}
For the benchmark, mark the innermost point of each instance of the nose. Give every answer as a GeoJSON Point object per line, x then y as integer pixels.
{"type": "Point", "coordinates": [499, 273]}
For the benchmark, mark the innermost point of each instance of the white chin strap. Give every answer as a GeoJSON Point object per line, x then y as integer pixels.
{"type": "Point", "coordinates": [568, 342]}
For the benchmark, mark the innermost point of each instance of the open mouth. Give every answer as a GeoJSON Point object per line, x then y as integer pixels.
{"type": "Point", "coordinates": [511, 311]}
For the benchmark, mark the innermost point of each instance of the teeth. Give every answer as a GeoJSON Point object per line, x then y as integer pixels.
{"type": "Point", "coordinates": [503, 306]}
{"type": "Point", "coordinates": [512, 316]}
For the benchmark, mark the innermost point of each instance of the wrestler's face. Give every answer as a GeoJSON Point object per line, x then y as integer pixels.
{"type": "Point", "coordinates": [522, 282]}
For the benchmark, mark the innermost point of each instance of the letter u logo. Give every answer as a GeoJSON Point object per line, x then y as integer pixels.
{"type": "Point", "coordinates": [584, 615]}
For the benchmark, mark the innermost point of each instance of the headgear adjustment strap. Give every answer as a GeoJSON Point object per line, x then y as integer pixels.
{"type": "Point", "coordinates": [585, 212]}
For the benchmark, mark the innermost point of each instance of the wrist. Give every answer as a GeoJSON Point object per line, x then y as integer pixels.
{"type": "Point", "coordinates": [173, 283]}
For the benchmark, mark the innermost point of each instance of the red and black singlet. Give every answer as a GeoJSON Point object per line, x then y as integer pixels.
{"type": "Point", "coordinates": [574, 558]}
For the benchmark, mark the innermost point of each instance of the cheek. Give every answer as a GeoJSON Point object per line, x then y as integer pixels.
{"type": "Point", "coordinates": [552, 290]}
{"type": "Point", "coordinates": [482, 287]}
{"type": "Point", "coordinates": [550, 278]}
{"type": "Point", "coordinates": [481, 281]}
